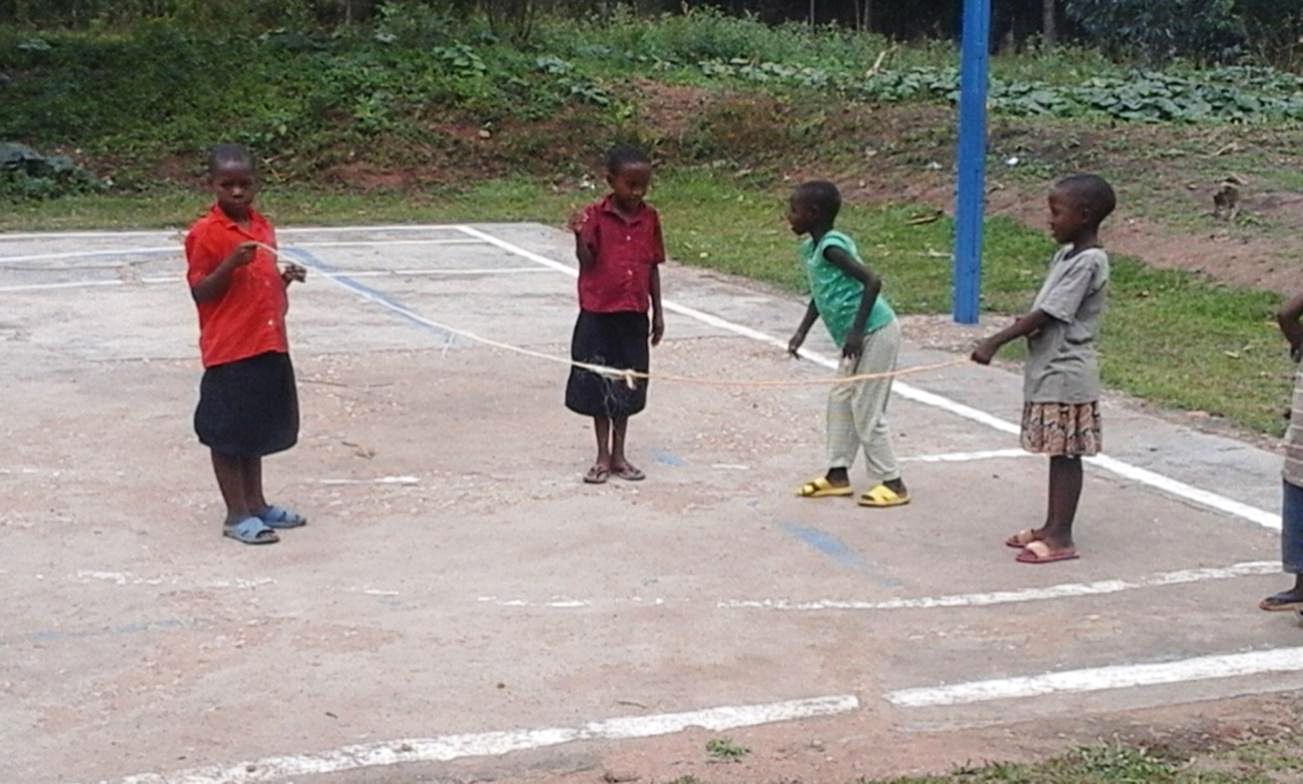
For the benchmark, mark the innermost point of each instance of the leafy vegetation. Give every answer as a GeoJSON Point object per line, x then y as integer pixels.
{"type": "Point", "coordinates": [26, 174]}
{"type": "Point", "coordinates": [423, 90]}
{"type": "Point", "coordinates": [725, 750]}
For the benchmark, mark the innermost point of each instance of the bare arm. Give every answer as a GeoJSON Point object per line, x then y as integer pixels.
{"type": "Point", "coordinates": [578, 224]}
{"type": "Point", "coordinates": [802, 331]}
{"type": "Point", "coordinates": [1029, 324]}
{"type": "Point", "coordinates": [215, 283]}
{"type": "Point", "coordinates": [658, 319]}
{"type": "Point", "coordinates": [872, 288]}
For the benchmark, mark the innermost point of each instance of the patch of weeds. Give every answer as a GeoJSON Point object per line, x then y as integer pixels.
{"type": "Point", "coordinates": [725, 750]}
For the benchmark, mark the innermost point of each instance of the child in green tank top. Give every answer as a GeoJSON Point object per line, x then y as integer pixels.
{"type": "Point", "coordinates": [846, 295]}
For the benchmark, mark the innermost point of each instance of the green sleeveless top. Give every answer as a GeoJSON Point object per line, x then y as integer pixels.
{"type": "Point", "coordinates": [836, 294]}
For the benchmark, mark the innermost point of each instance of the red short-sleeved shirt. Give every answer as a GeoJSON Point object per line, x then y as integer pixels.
{"type": "Point", "coordinates": [624, 253]}
{"type": "Point", "coordinates": [249, 319]}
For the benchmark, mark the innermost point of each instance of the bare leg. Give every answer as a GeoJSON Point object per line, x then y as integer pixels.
{"type": "Point", "coordinates": [602, 466]}
{"type": "Point", "coordinates": [252, 475]}
{"type": "Point", "coordinates": [1065, 493]}
{"type": "Point", "coordinates": [230, 480]}
{"type": "Point", "coordinates": [620, 464]}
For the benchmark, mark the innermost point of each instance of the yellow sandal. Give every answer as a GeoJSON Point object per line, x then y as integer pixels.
{"type": "Point", "coordinates": [822, 488]}
{"type": "Point", "coordinates": [883, 497]}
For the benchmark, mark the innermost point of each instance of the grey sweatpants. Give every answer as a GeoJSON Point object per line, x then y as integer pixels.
{"type": "Point", "coordinates": [857, 413]}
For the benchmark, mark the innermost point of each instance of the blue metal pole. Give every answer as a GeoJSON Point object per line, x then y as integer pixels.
{"type": "Point", "coordinates": [970, 193]}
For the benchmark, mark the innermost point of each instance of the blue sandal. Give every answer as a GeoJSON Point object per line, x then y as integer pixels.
{"type": "Point", "coordinates": [280, 517]}
{"type": "Point", "coordinates": [251, 530]}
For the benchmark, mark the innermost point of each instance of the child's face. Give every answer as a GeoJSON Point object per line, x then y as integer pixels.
{"type": "Point", "coordinates": [234, 184]}
{"type": "Point", "coordinates": [1067, 216]}
{"type": "Point", "coordinates": [629, 185]}
{"type": "Point", "coordinates": [800, 216]}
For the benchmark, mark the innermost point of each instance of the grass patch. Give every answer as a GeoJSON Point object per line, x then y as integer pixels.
{"type": "Point", "coordinates": [725, 750]}
{"type": "Point", "coordinates": [1251, 763]}
{"type": "Point", "coordinates": [1170, 337]}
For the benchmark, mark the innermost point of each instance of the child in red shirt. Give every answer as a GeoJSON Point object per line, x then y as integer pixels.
{"type": "Point", "coordinates": [619, 246]}
{"type": "Point", "coordinates": [248, 403]}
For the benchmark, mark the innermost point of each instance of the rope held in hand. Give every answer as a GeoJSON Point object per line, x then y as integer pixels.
{"type": "Point", "coordinates": [630, 377]}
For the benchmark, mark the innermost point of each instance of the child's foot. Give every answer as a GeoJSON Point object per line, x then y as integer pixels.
{"type": "Point", "coordinates": [1283, 601]}
{"type": "Point", "coordinates": [598, 474]}
{"type": "Point", "coordinates": [627, 471]}
{"type": "Point", "coordinates": [1043, 552]}
{"type": "Point", "coordinates": [250, 530]}
{"type": "Point", "coordinates": [280, 517]}
{"type": "Point", "coordinates": [823, 487]}
{"type": "Point", "coordinates": [1024, 537]}
{"type": "Point", "coordinates": [886, 495]}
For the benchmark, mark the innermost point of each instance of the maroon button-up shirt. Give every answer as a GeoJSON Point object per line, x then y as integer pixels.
{"type": "Point", "coordinates": [625, 251]}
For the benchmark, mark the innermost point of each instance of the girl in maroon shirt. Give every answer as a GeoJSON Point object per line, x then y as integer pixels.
{"type": "Point", "coordinates": [619, 246]}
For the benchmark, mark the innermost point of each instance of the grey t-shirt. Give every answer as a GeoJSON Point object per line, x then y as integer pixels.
{"type": "Point", "coordinates": [1061, 365]}
{"type": "Point", "coordinates": [1294, 436]}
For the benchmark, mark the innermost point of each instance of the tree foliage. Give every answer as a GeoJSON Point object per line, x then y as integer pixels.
{"type": "Point", "coordinates": [1219, 31]}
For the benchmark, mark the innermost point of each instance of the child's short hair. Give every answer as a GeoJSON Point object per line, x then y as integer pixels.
{"type": "Point", "coordinates": [822, 196]}
{"type": "Point", "coordinates": [1091, 192]}
{"type": "Point", "coordinates": [227, 154]}
{"type": "Point", "coordinates": [622, 155]}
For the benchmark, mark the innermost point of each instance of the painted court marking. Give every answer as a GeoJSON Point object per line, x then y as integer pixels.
{"type": "Point", "coordinates": [175, 279]}
{"type": "Point", "coordinates": [1120, 468]}
{"type": "Point", "coordinates": [446, 748]}
{"type": "Point", "coordinates": [1060, 591]}
{"type": "Point", "coordinates": [175, 231]}
{"type": "Point", "coordinates": [1124, 676]}
{"type": "Point", "coordinates": [968, 457]}
{"type": "Point", "coordinates": [986, 599]}
{"type": "Point", "coordinates": [174, 250]}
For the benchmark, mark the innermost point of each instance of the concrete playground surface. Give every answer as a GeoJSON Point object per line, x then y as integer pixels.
{"type": "Point", "coordinates": [462, 607]}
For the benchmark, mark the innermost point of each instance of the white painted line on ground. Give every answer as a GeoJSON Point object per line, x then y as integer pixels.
{"type": "Point", "coordinates": [967, 457]}
{"type": "Point", "coordinates": [127, 578]}
{"type": "Point", "coordinates": [1188, 492]}
{"type": "Point", "coordinates": [446, 748]}
{"type": "Point", "coordinates": [380, 480]}
{"type": "Point", "coordinates": [178, 230]}
{"type": "Point", "coordinates": [404, 273]}
{"type": "Point", "coordinates": [178, 249]}
{"type": "Point", "coordinates": [72, 284]}
{"type": "Point", "coordinates": [1060, 591]}
{"type": "Point", "coordinates": [1125, 470]}
{"type": "Point", "coordinates": [92, 254]}
{"type": "Point", "coordinates": [1124, 676]}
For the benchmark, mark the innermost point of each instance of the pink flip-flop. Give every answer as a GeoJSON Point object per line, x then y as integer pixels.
{"type": "Point", "coordinates": [1040, 553]}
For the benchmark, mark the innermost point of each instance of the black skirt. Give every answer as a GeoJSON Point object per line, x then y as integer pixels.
{"type": "Point", "coordinates": [249, 408]}
{"type": "Point", "coordinates": [617, 340]}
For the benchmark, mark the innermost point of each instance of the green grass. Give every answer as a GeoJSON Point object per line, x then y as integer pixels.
{"type": "Point", "coordinates": [1249, 763]}
{"type": "Point", "coordinates": [725, 750]}
{"type": "Point", "coordinates": [1172, 338]}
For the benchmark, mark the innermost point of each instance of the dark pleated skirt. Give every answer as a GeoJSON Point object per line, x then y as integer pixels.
{"type": "Point", "coordinates": [618, 340]}
{"type": "Point", "coordinates": [249, 408]}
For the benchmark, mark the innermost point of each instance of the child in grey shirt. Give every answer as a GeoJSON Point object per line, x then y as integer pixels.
{"type": "Point", "coordinates": [1061, 375]}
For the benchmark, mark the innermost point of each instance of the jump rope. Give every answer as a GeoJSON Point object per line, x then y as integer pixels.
{"type": "Point", "coordinates": [630, 377]}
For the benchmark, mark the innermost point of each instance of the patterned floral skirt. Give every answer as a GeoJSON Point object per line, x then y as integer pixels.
{"type": "Point", "coordinates": [1062, 429]}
